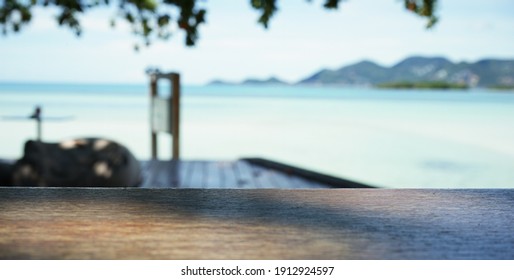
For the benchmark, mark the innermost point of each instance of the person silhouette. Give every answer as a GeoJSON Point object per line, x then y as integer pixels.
{"type": "Point", "coordinates": [37, 116]}
{"type": "Point", "coordinates": [37, 113]}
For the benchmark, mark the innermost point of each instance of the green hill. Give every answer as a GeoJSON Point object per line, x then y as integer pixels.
{"type": "Point", "coordinates": [483, 73]}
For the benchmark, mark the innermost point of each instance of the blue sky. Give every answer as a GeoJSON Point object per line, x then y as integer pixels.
{"type": "Point", "coordinates": [302, 38]}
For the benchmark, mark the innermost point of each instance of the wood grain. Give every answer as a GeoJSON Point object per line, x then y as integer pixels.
{"type": "Point", "coordinates": [118, 223]}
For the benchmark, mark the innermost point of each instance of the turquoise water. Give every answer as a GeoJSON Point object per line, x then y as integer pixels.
{"type": "Point", "coordinates": [388, 138]}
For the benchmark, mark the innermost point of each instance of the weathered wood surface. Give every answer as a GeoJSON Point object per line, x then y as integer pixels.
{"type": "Point", "coordinates": [61, 223]}
{"type": "Point", "coordinates": [223, 174]}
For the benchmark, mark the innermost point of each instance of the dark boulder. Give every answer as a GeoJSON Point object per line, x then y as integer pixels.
{"type": "Point", "coordinates": [6, 169]}
{"type": "Point", "coordinates": [76, 163]}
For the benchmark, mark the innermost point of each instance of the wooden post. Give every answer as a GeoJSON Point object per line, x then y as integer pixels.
{"type": "Point", "coordinates": [175, 115]}
{"type": "Point", "coordinates": [38, 115]}
{"type": "Point", "coordinates": [153, 94]}
{"type": "Point", "coordinates": [171, 110]}
{"type": "Point", "coordinates": [38, 124]}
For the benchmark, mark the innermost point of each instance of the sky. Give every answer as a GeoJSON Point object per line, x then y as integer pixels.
{"type": "Point", "coordinates": [302, 39]}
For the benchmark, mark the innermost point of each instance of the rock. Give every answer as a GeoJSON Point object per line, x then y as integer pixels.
{"type": "Point", "coordinates": [6, 169]}
{"type": "Point", "coordinates": [76, 163]}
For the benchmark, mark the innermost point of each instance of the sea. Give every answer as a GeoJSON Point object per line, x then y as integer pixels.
{"type": "Point", "coordinates": [385, 138]}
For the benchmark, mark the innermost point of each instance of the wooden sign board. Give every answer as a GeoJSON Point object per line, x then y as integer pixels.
{"type": "Point", "coordinates": [161, 115]}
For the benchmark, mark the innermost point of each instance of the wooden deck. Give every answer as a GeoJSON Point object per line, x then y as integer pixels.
{"type": "Point", "coordinates": [135, 223]}
{"type": "Point", "coordinates": [239, 174]}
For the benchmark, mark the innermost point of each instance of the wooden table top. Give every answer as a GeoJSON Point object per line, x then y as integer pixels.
{"type": "Point", "coordinates": [100, 223]}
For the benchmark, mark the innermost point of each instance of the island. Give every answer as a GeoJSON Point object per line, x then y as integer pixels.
{"type": "Point", "coordinates": [502, 87]}
{"type": "Point", "coordinates": [272, 81]}
{"type": "Point", "coordinates": [422, 85]}
{"type": "Point", "coordinates": [411, 73]}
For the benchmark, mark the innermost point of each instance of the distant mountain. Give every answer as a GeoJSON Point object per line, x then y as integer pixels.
{"type": "Point", "coordinates": [256, 82]}
{"type": "Point", "coordinates": [484, 73]}
{"type": "Point", "coordinates": [220, 82]}
{"type": "Point", "coordinates": [270, 81]}
{"type": "Point", "coordinates": [362, 73]}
